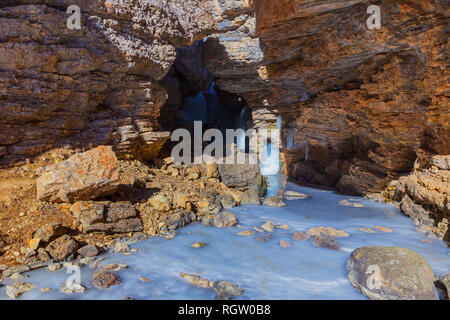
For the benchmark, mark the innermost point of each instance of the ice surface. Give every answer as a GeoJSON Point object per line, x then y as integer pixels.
{"type": "Point", "coordinates": [263, 270]}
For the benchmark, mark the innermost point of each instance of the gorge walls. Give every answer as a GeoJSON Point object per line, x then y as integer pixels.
{"type": "Point", "coordinates": [363, 103]}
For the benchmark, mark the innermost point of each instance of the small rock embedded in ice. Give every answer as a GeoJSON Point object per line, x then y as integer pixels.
{"type": "Point", "coordinates": [15, 290]}
{"type": "Point", "coordinates": [113, 267]}
{"type": "Point", "coordinates": [283, 226]}
{"type": "Point", "coordinates": [274, 202]}
{"type": "Point", "coordinates": [298, 236]}
{"type": "Point", "coordinates": [384, 229]}
{"type": "Point", "coordinates": [268, 226]}
{"type": "Point", "coordinates": [284, 244]}
{"type": "Point", "coordinates": [105, 280]}
{"type": "Point", "coordinates": [328, 231]}
{"type": "Point", "coordinates": [326, 242]}
{"type": "Point", "coordinates": [293, 195]}
{"type": "Point", "coordinates": [199, 244]}
{"type": "Point", "coordinates": [45, 289]}
{"type": "Point", "coordinates": [54, 266]}
{"type": "Point", "coordinates": [367, 230]}
{"type": "Point", "coordinates": [196, 280]}
{"type": "Point", "coordinates": [144, 279]}
{"type": "Point", "coordinates": [246, 233]}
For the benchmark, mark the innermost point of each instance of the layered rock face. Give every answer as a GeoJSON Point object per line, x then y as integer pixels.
{"type": "Point", "coordinates": [93, 86]}
{"type": "Point", "coordinates": [425, 195]}
{"type": "Point", "coordinates": [356, 103]}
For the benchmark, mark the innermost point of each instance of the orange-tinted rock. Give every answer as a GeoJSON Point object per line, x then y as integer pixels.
{"type": "Point", "coordinates": [83, 176]}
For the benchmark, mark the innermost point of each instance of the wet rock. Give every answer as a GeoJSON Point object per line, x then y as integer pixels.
{"type": "Point", "coordinates": [89, 250]}
{"type": "Point", "coordinates": [227, 201]}
{"type": "Point", "coordinates": [63, 248]}
{"type": "Point", "coordinates": [160, 203]}
{"type": "Point", "coordinates": [284, 244]}
{"type": "Point", "coordinates": [268, 226]}
{"type": "Point", "coordinates": [113, 267]}
{"type": "Point", "coordinates": [104, 280]}
{"type": "Point", "coordinates": [243, 177]}
{"type": "Point", "coordinates": [327, 231]}
{"type": "Point", "coordinates": [197, 280]}
{"type": "Point", "coordinates": [15, 290]}
{"type": "Point", "coordinates": [384, 229]}
{"type": "Point", "coordinates": [199, 244]}
{"type": "Point", "coordinates": [246, 233]}
{"type": "Point", "coordinates": [294, 195]}
{"type": "Point", "coordinates": [325, 242]}
{"type": "Point", "coordinates": [367, 230]}
{"type": "Point", "coordinates": [224, 219]}
{"type": "Point", "coordinates": [274, 202]}
{"type": "Point", "coordinates": [83, 176]}
{"type": "Point", "coordinates": [299, 236]}
{"type": "Point", "coordinates": [391, 273]}
{"type": "Point", "coordinates": [250, 197]}
{"type": "Point", "coordinates": [227, 290]}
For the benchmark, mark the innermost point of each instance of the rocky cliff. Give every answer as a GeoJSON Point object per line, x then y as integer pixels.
{"type": "Point", "coordinates": [357, 105]}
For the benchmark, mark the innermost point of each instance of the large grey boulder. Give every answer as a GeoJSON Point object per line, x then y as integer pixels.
{"type": "Point", "coordinates": [391, 273]}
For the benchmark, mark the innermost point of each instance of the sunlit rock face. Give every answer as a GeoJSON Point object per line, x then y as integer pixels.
{"type": "Point", "coordinates": [94, 86]}
{"type": "Point", "coordinates": [357, 104]}
{"type": "Point", "coordinates": [363, 101]}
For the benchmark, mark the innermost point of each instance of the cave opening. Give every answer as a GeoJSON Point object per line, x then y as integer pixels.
{"type": "Point", "coordinates": [194, 95]}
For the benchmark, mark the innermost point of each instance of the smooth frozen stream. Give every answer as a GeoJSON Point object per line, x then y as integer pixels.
{"type": "Point", "coordinates": [263, 269]}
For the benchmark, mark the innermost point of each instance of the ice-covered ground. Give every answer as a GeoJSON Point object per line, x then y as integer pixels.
{"type": "Point", "coordinates": [264, 270]}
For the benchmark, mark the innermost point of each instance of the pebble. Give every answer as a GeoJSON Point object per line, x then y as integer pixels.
{"type": "Point", "coordinates": [367, 230]}
{"type": "Point", "coordinates": [246, 233]}
{"type": "Point", "coordinates": [268, 226]}
{"type": "Point", "coordinates": [144, 279]}
{"type": "Point", "coordinates": [284, 244]}
{"type": "Point", "coordinates": [199, 244]}
{"type": "Point", "coordinates": [384, 229]}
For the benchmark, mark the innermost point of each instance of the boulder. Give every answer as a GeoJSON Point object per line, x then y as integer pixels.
{"type": "Point", "coordinates": [63, 248]}
{"type": "Point", "coordinates": [225, 219]}
{"type": "Point", "coordinates": [84, 176]}
{"type": "Point", "coordinates": [274, 201]}
{"type": "Point", "coordinates": [391, 273]}
{"type": "Point", "coordinates": [250, 198]}
{"type": "Point", "coordinates": [243, 177]}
